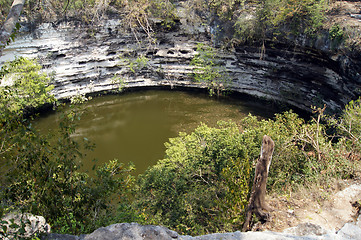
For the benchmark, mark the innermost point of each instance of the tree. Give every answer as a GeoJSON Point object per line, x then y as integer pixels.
{"type": "Point", "coordinates": [10, 23]}
{"type": "Point", "coordinates": [209, 70]}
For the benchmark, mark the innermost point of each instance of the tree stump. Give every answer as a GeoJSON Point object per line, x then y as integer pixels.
{"type": "Point", "coordinates": [257, 205]}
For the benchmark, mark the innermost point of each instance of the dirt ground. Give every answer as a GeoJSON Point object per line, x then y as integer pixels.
{"type": "Point", "coordinates": [340, 12]}
{"type": "Point", "coordinates": [329, 208]}
{"type": "Point", "coordinates": [344, 14]}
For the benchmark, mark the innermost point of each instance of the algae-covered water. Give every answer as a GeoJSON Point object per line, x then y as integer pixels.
{"type": "Point", "coordinates": [134, 126]}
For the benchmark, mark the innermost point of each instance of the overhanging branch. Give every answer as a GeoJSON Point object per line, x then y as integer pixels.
{"type": "Point", "coordinates": [10, 23]}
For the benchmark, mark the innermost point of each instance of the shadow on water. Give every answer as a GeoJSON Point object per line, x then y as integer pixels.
{"type": "Point", "coordinates": [135, 125]}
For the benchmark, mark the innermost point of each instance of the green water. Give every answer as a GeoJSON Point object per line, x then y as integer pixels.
{"type": "Point", "coordinates": [134, 126]}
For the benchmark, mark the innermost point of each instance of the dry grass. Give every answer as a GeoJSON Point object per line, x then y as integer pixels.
{"type": "Point", "coordinates": [339, 13]}
{"type": "Point", "coordinates": [317, 204]}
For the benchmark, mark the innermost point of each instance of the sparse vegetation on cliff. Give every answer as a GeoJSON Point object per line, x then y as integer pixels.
{"type": "Point", "coordinates": [209, 71]}
{"type": "Point", "coordinates": [260, 20]}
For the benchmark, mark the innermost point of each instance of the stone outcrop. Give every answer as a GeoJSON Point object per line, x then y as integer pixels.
{"type": "Point", "coordinates": [336, 212]}
{"type": "Point", "coordinates": [134, 231]}
{"type": "Point", "coordinates": [26, 222]}
{"type": "Point", "coordinates": [87, 59]}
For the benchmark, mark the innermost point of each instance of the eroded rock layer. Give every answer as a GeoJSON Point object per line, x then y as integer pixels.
{"type": "Point", "coordinates": [85, 59]}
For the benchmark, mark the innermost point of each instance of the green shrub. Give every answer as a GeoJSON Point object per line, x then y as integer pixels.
{"type": "Point", "coordinates": [41, 174]}
{"type": "Point", "coordinates": [208, 70]}
{"type": "Point", "coordinates": [138, 64]}
{"type": "Point", "coordinates": [218, 163]}
{"type": "Point", "coordinates": [288, 162]}
{"type": "Point", "coordinates": [336, 34]}
{"type": "Point", "coordinates": [202, 184]}
{"type": "Point", "coordinates": [348, 127]}
{"type": "Point", "coordinates": [270, 19]}
{"type": "Point", "coordinates": [43, 177]}
{"type": "Point", "coordinates": [23, 87]}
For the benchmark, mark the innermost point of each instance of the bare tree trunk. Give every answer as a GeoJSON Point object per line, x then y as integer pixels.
{"type": "Point", "coordinates": [10, 23]}
{"type": "Point", "coordinates": [257, 204]}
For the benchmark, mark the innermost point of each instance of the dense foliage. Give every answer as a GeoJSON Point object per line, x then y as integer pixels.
{"type": "Point", "coordinates": [41, 174]}
{"type": "Point", "coordinates": [203, 183]}
{"type": "Point", "coordinates": [23, 87]}
{"type": "Point", "coordinates": [209, 71]}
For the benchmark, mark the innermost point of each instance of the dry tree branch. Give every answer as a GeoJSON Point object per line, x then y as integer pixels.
{"type": "Point", "coordinates": [10, 23]}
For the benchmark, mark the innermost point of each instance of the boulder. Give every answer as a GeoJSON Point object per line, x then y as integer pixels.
{"type": "Point", "coordinates": [349, 231]}
{"type": "Point", "coordinates": [135, 231]}
{"type": "Point", "coordinates": [305, 229]}
{"type": "Point", "coordinates": [132, 231]}
{"type": "Point", "coordinates": [25, 221]}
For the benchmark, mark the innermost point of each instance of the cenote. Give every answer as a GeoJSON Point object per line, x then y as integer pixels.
{"type": "Point", "coordinates": [134, 126]}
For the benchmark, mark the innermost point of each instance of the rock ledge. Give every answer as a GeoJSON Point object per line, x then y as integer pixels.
{"type": "Point", "coordinates": [135, 231]}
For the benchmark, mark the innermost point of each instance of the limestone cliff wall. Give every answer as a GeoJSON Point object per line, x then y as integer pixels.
{"type": "Point", "coordinates": [87, 59]}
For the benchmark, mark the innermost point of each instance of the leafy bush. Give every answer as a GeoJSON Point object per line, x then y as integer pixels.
{"type": "Point", "coordinates": [138, 64]}
{"type": "Point", "coordinates": [23, 87]}
{"type": "Point", "coordinates": [43, 177]}
{"type": "Point", "coordinates": [41, 173]}
{"type": "Point", "coordinates": [304, 152]}
{"type": "Point", "coordinates": [218, 162]}
{"type": "Point", "coordinates": [208, 70]}
{"type": "Point", "coordinates": [270, 19]}
{"type": "Point", "coordinates": [202, 184]}
{"type": "Point", "coordinates": [349, 125]}
{"type": "Point", "coordinates": [288, 162]}
{"type": "Point", "coordinates": [348, 138]}
{"type": "Point", "coordinates": [40, 168]}
{"type": "Point", "coordinates": [336, 34]}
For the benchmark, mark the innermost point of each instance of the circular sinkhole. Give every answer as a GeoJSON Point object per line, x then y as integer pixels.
{"type": "Point", "coordinates": [134, 126]}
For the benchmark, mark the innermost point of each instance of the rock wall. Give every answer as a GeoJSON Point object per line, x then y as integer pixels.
{"type": "Point", "coordinates": [87, 59]}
